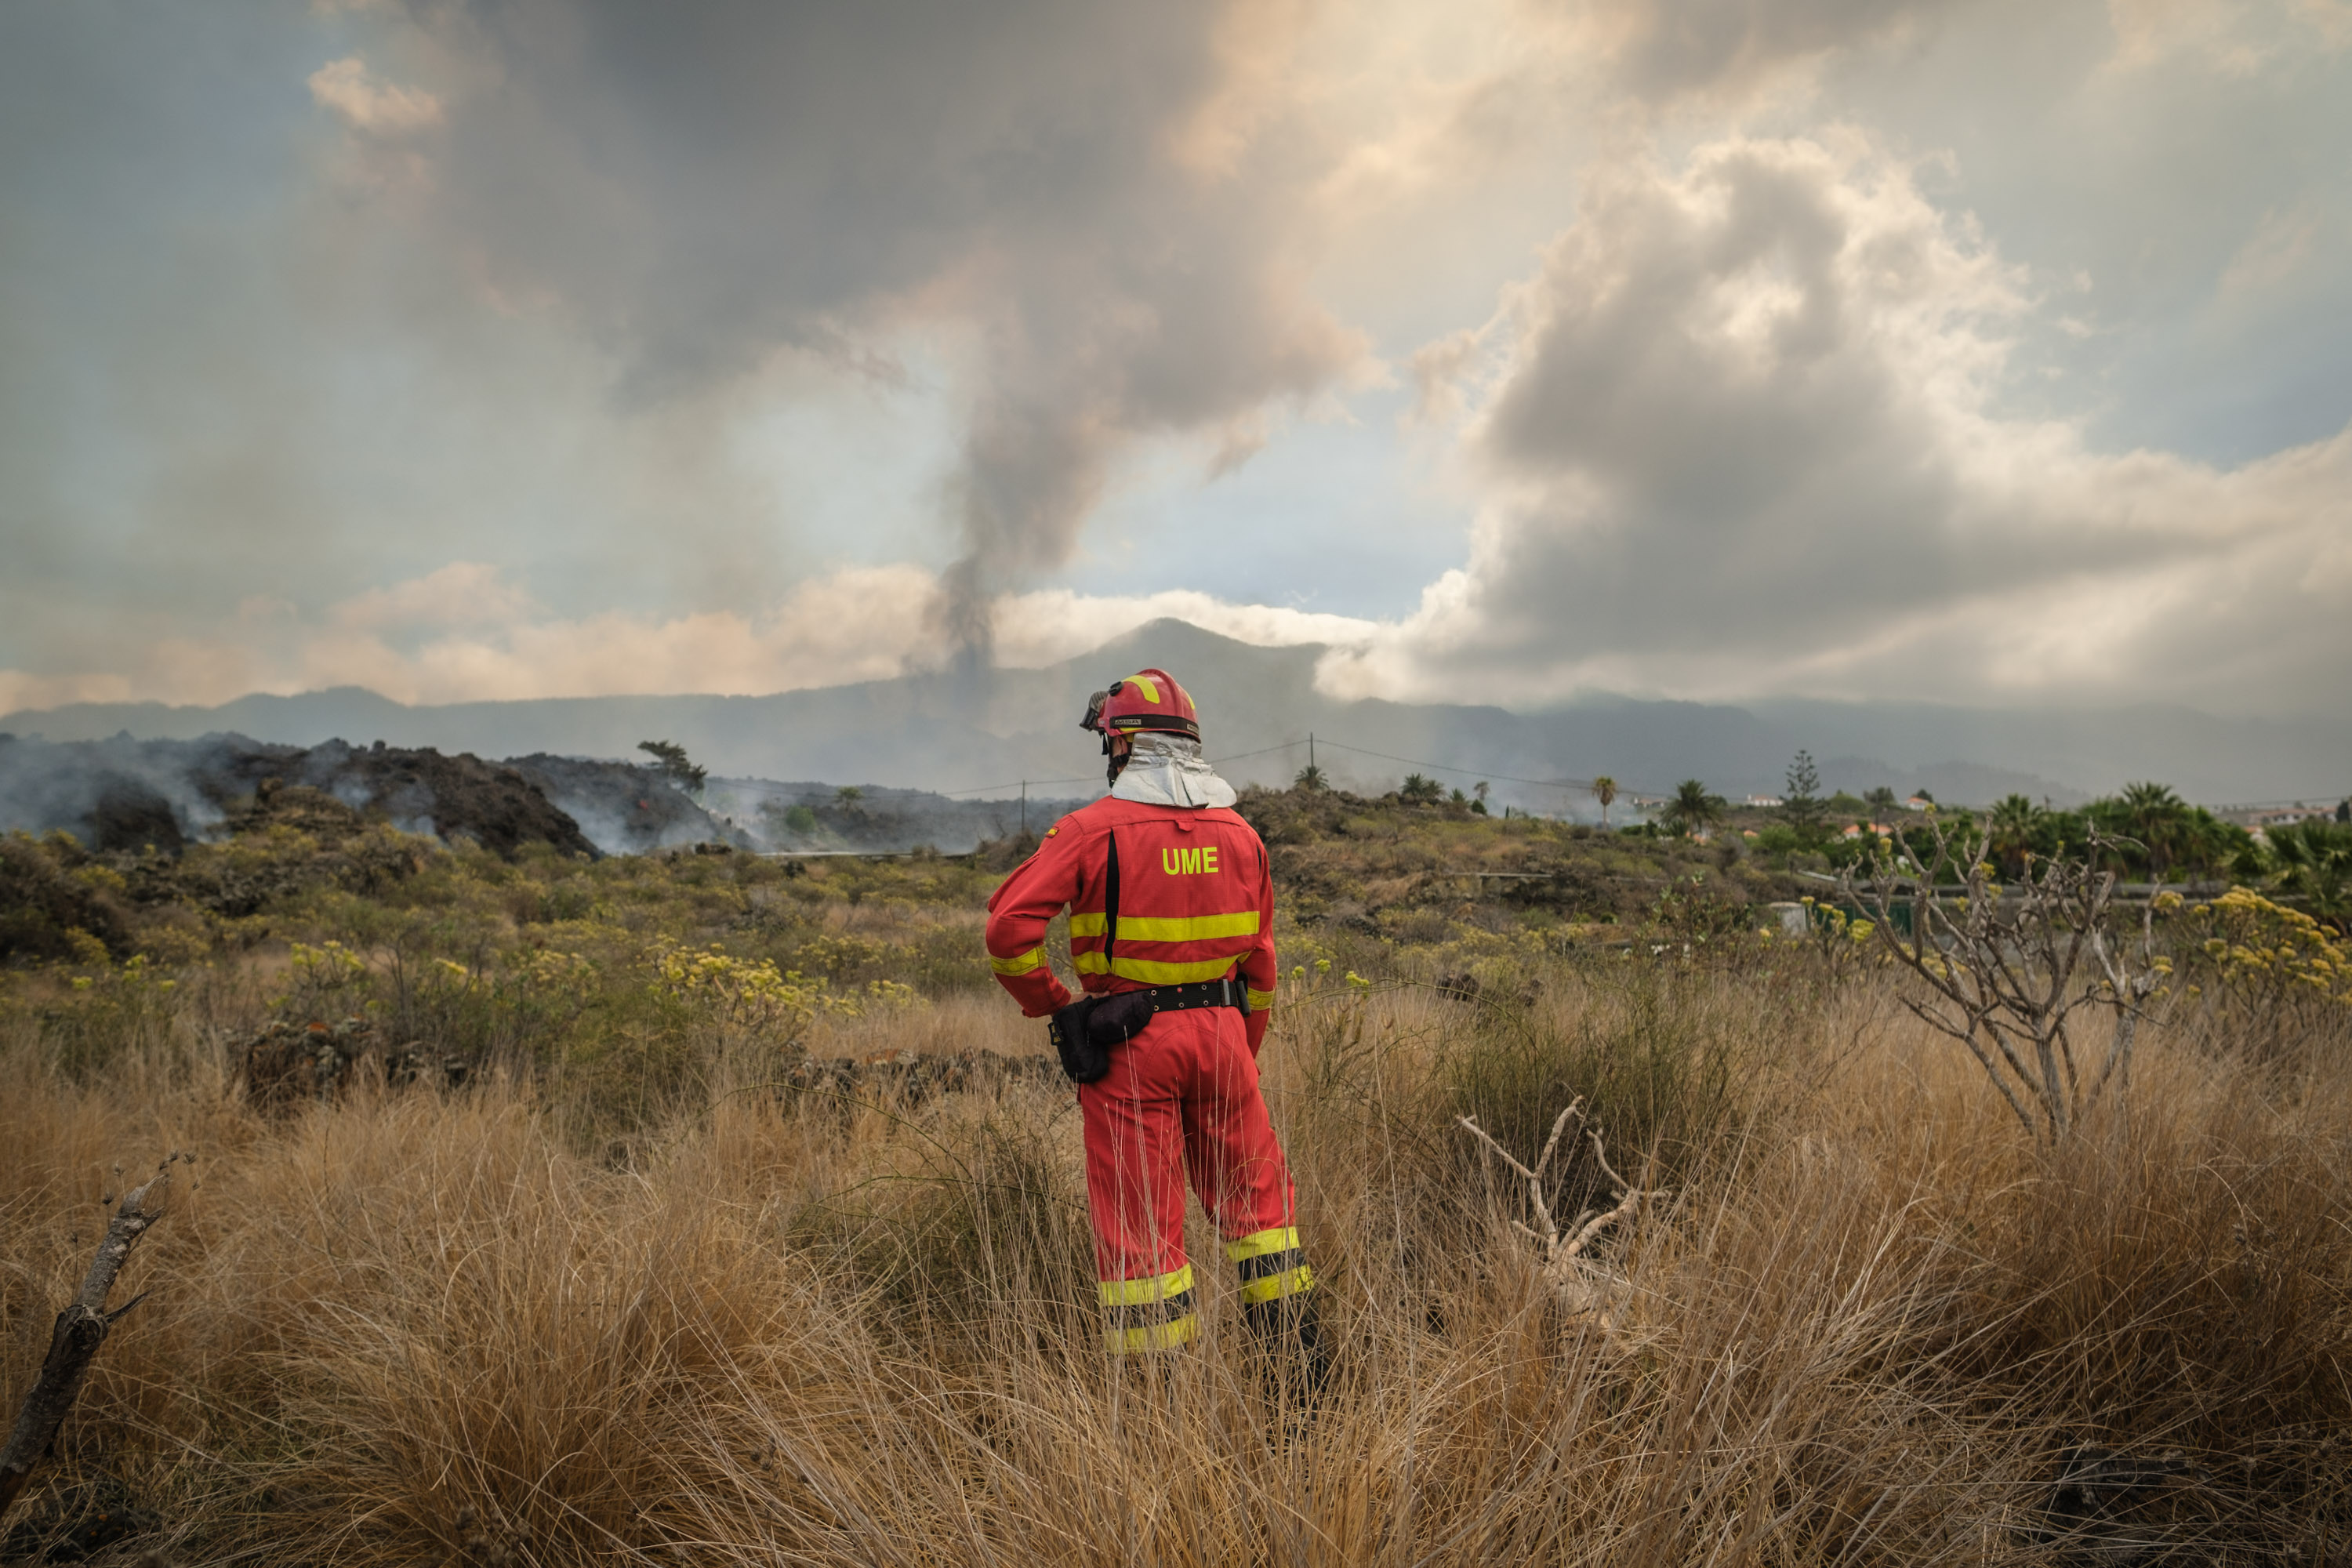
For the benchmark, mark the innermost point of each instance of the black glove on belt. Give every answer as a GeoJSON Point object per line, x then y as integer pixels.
{"type": "Point", "coordinates": [1084, 1032]}
{"type": "Point", "coordinates": [1073, 1041]}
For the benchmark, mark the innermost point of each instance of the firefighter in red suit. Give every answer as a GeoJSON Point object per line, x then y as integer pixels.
{"type": "Point", "coordinates": [1172, 932]}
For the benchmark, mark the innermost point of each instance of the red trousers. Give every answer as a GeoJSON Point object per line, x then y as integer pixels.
{"type": "Point", "coordinates": [1181, 1101]}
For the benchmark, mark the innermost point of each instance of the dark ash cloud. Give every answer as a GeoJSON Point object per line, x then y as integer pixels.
{"type": "Point", "coordinates": [703, 185]}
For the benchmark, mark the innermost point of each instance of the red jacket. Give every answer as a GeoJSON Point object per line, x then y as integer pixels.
{"type": "Point", "coordinates": [1195, 899]}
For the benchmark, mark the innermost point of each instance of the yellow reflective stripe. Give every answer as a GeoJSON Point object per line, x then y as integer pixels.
{"type": "Point", "coordinates": [1258, 1243]}
{"type": "Point", "coordinates": [1289, 1282]}
{"type": "Point", "coordinates": [1157, 1287]}
{"type": "Point", "coordinates": [1186, 928]}
{"type": "Point", "coordinates": [1153, 1336]}
{"type": "Point", "coordinates": [1260, 1001]}
{"type": "Point", "coordinates": [1168, 928]}
{"type": "Point", "coordinates": [1151, 689]}
{"type": "Point", "coordinates": [1021, 965]}
{"type": "Point", "coordinates": [1150, 971]}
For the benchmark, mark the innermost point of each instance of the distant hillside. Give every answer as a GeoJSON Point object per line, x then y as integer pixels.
{"type": "Point", "coordinates": [980, 732]}
{"type": "Point", "coordinates": [130, 795]}
{"type": "Point", "coordinates": [123, 793]}
{"type": "Point", "coordinates": [819, 817]}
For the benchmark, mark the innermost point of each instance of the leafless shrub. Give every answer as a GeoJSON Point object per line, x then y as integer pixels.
{"type": "Point", "coordinates": [1584, 1285]}
{"type": "Point", "coordinates": [2012, 966]}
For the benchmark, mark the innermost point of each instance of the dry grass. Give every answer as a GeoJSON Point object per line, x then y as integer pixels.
{"type": "Point", "coordinates": [423, 1327]}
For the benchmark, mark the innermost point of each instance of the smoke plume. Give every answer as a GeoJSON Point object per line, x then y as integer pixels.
{"type": "Point", "coordinates": [712, 184]}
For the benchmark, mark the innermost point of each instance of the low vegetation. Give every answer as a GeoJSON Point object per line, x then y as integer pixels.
{"type": "Point", "coordinates": [542, 1239]}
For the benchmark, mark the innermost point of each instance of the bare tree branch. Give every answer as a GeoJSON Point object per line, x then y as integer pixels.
{"type": "Point", "coordinates": [1602, 1156]}
{"type": "Point", "coordinates": [1582, 1285]}
{"type": "Point", "coordinates": [79, 1330]}
{"type": "Point", "coordinates": [2017, 962]}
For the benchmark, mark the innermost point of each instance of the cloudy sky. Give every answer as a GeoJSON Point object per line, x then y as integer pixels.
{"type": "Point", "coordinates": [1995, 352]}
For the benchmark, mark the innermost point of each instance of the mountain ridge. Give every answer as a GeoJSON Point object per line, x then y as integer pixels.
{"type": "Point", "coordinates": [966, 730]}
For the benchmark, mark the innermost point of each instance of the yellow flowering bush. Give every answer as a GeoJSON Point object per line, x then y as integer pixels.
{"type": "Point", "coordinates": [747, 991]}
{"type": "Point", "coordinates": [2262, 965]}
{"type": "Point", "coordinates": [2253, 940]}
{"type": "Point", "coordinates": [1840, 941]}
{"type": "Point", "coordinates": [135, 977]}
{"type": "Point", "coordinates": [880, 996]}
{"type": "Point", "coordinates": [322, 979]}
{"type": "Point", "coordinates": [841, 957]}
{"type": "Point", "coordinates": [100, 1012]}
{"type": "Point", "coordinates": [329, 963]}
{"type": "Point", "coordinates": [755, 993]}
{"type": "Point", "coordinates": [547, 969]}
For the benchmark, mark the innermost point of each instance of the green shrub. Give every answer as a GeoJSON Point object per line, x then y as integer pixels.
{"type": "Point", "coordinates": [55, 903]}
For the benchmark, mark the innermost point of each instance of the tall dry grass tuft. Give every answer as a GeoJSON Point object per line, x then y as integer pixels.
{"type": "Point", "coordinates": [777, 1325]}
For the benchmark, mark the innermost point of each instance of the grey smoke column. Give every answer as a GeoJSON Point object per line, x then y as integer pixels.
{"type": "Point", "coordinates": [710, 182]}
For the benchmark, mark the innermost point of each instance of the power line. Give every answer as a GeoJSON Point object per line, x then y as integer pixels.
{"type": "Point", "coordinates": [1476, 773]}
{"type": "Point", "coordinates": [1009, 783]}
{"type": "Point", "coordinates": [1465, 772]}
{"type": "Point", "coordinates": [1261, 751]}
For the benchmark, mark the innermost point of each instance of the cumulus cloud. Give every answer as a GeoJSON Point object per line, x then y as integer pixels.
{"type": "Point", "coordinates": [464, 632]}
{"type": "Point", "coordinates": [1744, 433]}
{"type": "Point", "coordinates": [1048, 626]}
{"type": "Point", "coordinates": [365, 103]}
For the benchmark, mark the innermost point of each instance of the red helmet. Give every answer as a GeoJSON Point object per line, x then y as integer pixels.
{"type": "Point", "coordinates": [1149, 700]}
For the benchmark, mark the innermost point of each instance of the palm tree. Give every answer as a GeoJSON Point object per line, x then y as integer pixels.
{"type": "Point", "coordinates": [2157, 819]}
{"type": "Point", "coordinates": [2315, 860]}
{"type": "Point", "coordinates": [1310, 777]}
{"type": "Point", "coordinates": [1418, 790]}
{"type": "Point", "coordinates": [2208, 844]}
{"type": "Point", "coordinates": [1693, 807]}
{"type": "Point", "coordinates": [1604, 790]}
{"type": "Point", "coordinates": [2013, 824]}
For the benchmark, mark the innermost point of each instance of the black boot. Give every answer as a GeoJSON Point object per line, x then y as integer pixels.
{"type": "Point", "coordinates": [1289, 1348]}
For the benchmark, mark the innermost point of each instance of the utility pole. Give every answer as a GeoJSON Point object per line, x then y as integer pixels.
{"type": "Point", "coordinates": [1024, 809]}
{"type": "Point", "coordinates": [1311, 754]}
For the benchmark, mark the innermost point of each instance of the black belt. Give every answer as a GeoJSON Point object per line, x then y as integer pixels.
{"type": "Point", "coordinates": [1084, 1032]}
{"type": "Point", "coordinates": [1228, 992]}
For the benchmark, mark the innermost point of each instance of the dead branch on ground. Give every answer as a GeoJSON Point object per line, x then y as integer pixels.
{"type": "Point", "coordinates": [1582, 1284]}
{"type": "Point", "coordinates": [79, 1330]}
